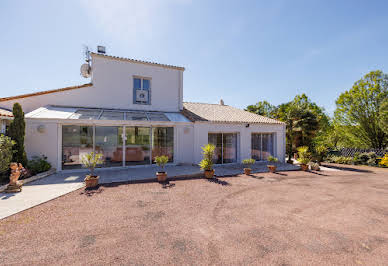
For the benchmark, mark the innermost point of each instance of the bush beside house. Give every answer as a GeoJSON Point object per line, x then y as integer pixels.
{"type": "Point", "coordinates": [6, 153]}
{"type": "Point", "coordinates": [17, 132]}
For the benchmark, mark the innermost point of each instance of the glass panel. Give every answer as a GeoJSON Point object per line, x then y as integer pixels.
{"type": "Point", "coordinates": [111, 115]}
{"type": "Point", "coordinates": [86, 114]}
{"type": "Point", "coordinates": [76, 142]}
{"type": "Point", "coordinates": [146, 84]}
{"type": "Point", "coordinates": [109, 142]}
{"type": "Point", "coordinates": [229, 148]}
{"type": "Point", "coordinates": [136, 83]}
{"type": "Point", "coordinates": [216, 140]}
{"type": "Point", "coordinates": [136, 116]}
{"type": "Point", "coordinates": [267, 145]}
{"type": "Point", "coordinates": [163, 142]}
{"type": "Point", "coordinates": [157, 117]}
{"type": "Point", "coordinates": [137, 145]}
{"type": "Point", "coordinates": [256, 146]}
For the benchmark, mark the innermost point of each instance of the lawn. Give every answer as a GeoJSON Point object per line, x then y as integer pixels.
{"type": "Point", "coordinates": [289, 218]}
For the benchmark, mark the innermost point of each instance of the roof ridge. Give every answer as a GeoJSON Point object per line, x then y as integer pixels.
{"type": "Point", "coordinates": [45, 92]}
{"type": "Point", "coordinates": [139, 61]}
{"type": "Point", "coordinates": [210, 104]}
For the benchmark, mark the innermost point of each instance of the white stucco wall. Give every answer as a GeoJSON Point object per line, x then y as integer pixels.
{"type": "Point", "coordinates": [113, 88]}
{"type": "Point", "coordinates": [45, 143]}
{"type": "Point", "coordinates": [202, 129]}
{"type": "Point", "coordinates": [185, 144]}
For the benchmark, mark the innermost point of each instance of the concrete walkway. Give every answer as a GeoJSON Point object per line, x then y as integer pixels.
{"type": "Point", "coordinates": [58, 184]}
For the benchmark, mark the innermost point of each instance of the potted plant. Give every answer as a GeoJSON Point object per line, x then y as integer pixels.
{"type": "Point", "coordinates": [248, 163]}
{"type": "Point", "coordinates": [207, 162]}
{"type": "Point", "coordinates": [161, 162]}
{"type": "Point", "coordinates": [272, 167]}
{"type": "Point", "coordinates": [304, 157]}
{"type": "Point", "coordinates": [90, 160]}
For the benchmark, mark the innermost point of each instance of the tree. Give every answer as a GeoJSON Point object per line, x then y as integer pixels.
{"type": "Point", "coordinates": [5, 153]}
{"type": "Point", "coordinates": [358, 110]}
{"type": "Point", "coordinates": [384, 116]}
{"type": "Point", "coordinates": [263, 108]}
{"type": "Point", "coordinates": [17, 132]}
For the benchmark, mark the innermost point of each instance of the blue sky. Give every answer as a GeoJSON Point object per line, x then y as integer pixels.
{"type": "Point", "coordinates": [240, 51]}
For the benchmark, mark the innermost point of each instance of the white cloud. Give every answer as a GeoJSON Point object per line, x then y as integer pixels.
{"type": "Point", "coordinates": [132, 20]}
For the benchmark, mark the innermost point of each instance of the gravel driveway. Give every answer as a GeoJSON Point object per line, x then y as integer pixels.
{"type": "Point", "coordinates": [289, 218]}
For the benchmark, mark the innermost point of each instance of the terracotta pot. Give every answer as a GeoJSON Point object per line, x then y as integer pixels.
{"type": "Point", "coordinates": [209, 173]}
{"type": "Point", "coordinates": [162, 176]}
{"type": "Point", "coordinates": [304, 167]}
{"type": "Point", "coordinates": [91, 181]}
{"type": "Point", "coordinates": [247, 171]}
{"type": "Point", "coordinates": [272, 168]}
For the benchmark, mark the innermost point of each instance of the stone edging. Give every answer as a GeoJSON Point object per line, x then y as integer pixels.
{"type": "Point", "coordinates": [32, 178]}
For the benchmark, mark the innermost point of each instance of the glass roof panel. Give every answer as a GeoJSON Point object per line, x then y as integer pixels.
{"type": "Point", "coordinates": [86, 114]}
{"type": "Point", "coordinates": [136, 116]}
{"type": "Point", "coordinates": [112, 115]}
{"type": "Point", "coordinates": [157, 117]}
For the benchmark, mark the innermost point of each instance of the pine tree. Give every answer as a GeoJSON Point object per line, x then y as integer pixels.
{"type": "Point", "coordinates": [17, 132]}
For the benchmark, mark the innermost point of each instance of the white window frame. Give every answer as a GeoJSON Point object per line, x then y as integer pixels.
{"type": "Point", "coordinates": [141, 88]}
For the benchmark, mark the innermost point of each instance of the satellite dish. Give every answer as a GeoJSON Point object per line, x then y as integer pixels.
{"type": "Point", "coordinates": [85, 70]}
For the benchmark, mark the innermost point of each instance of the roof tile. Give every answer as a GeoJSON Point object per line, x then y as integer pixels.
{"type": "Point", "coordinates": [222, 113]}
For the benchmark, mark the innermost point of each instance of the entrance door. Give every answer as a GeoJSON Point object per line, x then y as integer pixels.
{"type": "Point", "coordinates": [226, 147]}
{"type": "Point", "coordinates": [137, 145]}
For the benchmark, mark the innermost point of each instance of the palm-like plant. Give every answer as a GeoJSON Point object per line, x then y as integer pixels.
{"type": "Point", "coordinates": [207, 161]}
{"type": "Point", "coordinates": [161, 161]}
{"type": "Point", "coordinates": [91, 160]}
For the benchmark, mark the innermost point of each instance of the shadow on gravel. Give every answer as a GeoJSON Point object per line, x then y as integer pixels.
{"type": "Point", "coordinates": [317, 173]}
{"type": "Point", "coordinates": [167, 184]}
{"type": "Point", "coordinates": [344, 168]}
{"type": "Point", "coordinates": [277, 173]}
{"type": "Point", "coordinates": [217, 181]}
{"type": "Point", "coordinates": [91, 191]}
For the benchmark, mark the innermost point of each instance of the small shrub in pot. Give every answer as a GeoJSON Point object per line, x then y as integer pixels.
{"type": "Point", "coordinates": [161, 161]}
{"type": "Point", "coordinates": [248, 163]}
{"type": "Point", "coordinates": [271, 166]}
{"type": "Point", "coordinates": [91, 160]}
{"type": "Point", "coordinates": [304, 157]}
{"type": "Point", "coordinates": [207, 162]}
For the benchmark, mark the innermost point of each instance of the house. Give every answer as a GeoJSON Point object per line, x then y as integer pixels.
{"type": "Point", "coordinates": [132, 111]}
{"type": "Point", "coordinates": [5, 117]}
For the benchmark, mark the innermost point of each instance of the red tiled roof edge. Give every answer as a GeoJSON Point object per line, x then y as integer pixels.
{"type": "Point", "coordinates": [45, 92]}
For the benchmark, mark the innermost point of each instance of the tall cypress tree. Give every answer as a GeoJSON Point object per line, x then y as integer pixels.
{"type": "Point", "coordinates": [17, 131]}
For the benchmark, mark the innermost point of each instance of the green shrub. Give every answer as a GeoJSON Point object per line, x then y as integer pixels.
{"type": "Point", "coordinates": [272, 159]}
{"type": "Point", "coordinates": [38, 164]}
{"type": "Point", "coordinates": [304, 155]}
{"type": "Point", "coordinates": [248, 162]}
{"type": "Point", "coordinates": [6, 153]}
{"type": "Point", "coordinates": [161, 161]}
{"type": "Point", "coordinates": [17, 132]}
{"type": "Point", "coordinates": [339, 159]}
{"type": "Point", "coordinates": [320, 152]}
{"type": "Point", "coordinates": [91, 160]}
{"type": "Point", "coordinates": [357, 158]}
{"type": "Point", "coordinates": [207, 161]}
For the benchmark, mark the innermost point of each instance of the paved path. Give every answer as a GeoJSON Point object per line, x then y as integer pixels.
{"type": "Point", "coordinates": [58, 184]}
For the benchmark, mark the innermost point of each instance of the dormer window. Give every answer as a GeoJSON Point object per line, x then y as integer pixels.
{"type": "Point", "coordinates": [141, 90]}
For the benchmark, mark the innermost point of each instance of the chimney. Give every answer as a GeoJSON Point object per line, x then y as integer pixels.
{"type": "Point", "coordinates": [222, 102]}
{"type": "Point", "coordinates": [101, 49]}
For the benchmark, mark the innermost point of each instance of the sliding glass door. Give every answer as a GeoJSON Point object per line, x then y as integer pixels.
{"type": "Point", "coordinates": [109, 143]}
{"type": "Point", "coordinates": [226, 147]}
{"type": "Point", "coordinates": [137, 145]}
{"type": "Point", "coordinates": [262, 146]}
{"type": "Point", "coordinates": [119, 145]}
{"type": "Point", "coordinates": [163, 142]}
{"type": "Point", "coordinates": [76, 142]}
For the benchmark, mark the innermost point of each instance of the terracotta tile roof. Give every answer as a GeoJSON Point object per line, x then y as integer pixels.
{"type": "Point", "coordinates": [139, 61]}
{"type": "Point", "coordinates": [5, 113]}
{"type": "Point", "coordinates": [45, 92]}
{"type": "Point", "coordinates": [222, 113]}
